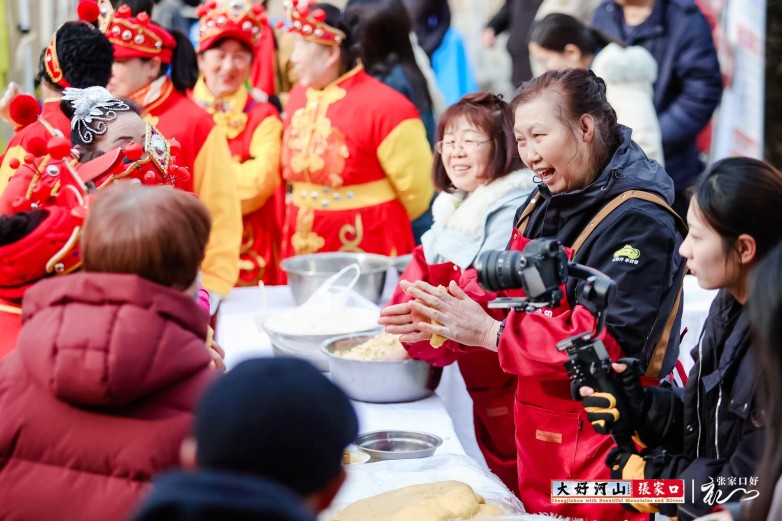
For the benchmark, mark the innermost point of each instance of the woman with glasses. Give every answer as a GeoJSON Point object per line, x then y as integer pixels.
{"type": "Point", "coordinates": [355, 152]}
{"type": "Point", "coordinates": [567, 134]}
{"type": "Point", "coordinates": [227, 37]}
{"type": "Point", "coordinates": [476, 170]}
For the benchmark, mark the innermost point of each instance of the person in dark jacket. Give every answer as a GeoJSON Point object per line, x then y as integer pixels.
{"type": "Point", "coordinates": [268, 444]}
{"type": "Point", "coordinates": [515, 18]}
{"type": "Point", "coordinates": [568, 136]}
{"type": "Point", "coordinates": [714, 431]}
{"type": "Point", "coordinates": [689, 84]}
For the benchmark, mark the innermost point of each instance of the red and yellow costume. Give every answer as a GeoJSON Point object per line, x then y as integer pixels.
{"type": "Point", "coordinates": [356, 156]}
{"type": "Point", "coordinates": [254, 132]}
{"type": "Point", "coordinates": [19, 144]}
{"type": "Point", "coordinates": [204, 149]}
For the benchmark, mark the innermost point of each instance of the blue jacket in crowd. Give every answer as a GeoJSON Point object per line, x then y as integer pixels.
{"type": "Point", "coordinates": [689, 84]}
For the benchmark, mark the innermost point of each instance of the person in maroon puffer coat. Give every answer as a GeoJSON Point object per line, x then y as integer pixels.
{"type": "Point", "coordinates": [102, 387]}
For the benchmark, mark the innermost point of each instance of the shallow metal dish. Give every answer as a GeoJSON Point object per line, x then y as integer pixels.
{"type": "Point", "coordinates": [306, 273]}
{"type": "Point", "coordinates": [398, 444]}
{"type": "Point", "coordinates": [378, 381]}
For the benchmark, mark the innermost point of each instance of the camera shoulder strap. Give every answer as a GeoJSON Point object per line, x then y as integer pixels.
{"type": "Point", "coordinates": [521, 224]}
{"type": "Point", "coordinates": [613, 204]}
{"type": "Point", "coordinates": [663, 329]}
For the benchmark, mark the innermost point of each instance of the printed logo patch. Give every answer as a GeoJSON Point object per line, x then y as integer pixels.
{"type": "Point", "coordinates": [627, 254]}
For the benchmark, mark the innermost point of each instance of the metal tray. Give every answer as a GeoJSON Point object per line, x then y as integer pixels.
{"type": "Point", "coordinates": [398, 444]}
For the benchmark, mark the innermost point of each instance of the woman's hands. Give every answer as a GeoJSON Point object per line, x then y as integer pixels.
{"type": "Point", "coordinates": [461, 319]}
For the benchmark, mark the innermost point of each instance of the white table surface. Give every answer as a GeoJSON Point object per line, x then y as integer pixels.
{"type": "Point", "coordinates": [447, 414]}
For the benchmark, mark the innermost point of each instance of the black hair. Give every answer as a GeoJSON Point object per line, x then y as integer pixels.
{"type": "Point", "coordinates": [556, 30]}
{"type": "Point", "coordinates": [85, 56]}
{"type": "Point", "coordinates": [765, 316]}
{"type": "Point", "coordinates": [349, 47]}
{"type": "Point", "coordinates": [383, 33]}
{"type": "Point", "coordinates": [580, 92]}
{"type": "Point", "coordinates": [741, 195]}
{"type": "Point", "coordinates": [136, 6]}
{"type": "Point", "coordinates": [19, 225]}
{"type": "Point", "coordinates": [184, 64]}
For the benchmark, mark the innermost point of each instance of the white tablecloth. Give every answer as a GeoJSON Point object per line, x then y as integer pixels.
{"type": "Point", "coordinates": [239, 333]}
{"type": "Point", "coordinates": [447, 414]}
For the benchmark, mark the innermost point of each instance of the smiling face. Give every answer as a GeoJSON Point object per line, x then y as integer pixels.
{"type": "Point", "coordinates": [316, 65]}
{"type": "Point", "coordinates": [560, 155]}
{"type": "Point", "coordinates": [466, 153]}
{"type": "Point", "coordinates": [225, 66]}
{"type": "Point", "coordinates": [704, 250]}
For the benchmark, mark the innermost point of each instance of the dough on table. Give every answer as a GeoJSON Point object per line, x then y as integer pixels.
{"type": "Point", "coordinates": [439, 501]}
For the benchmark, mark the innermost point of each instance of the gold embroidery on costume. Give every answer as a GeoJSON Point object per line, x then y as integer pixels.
{"type": "Point", "coordinates": [251, 264]}
{"type": "Point", "coordinates": [315, 148]}
{"type": "Point", "coordinates": [356, 231]}
{"type": "Point", "coordinates": [306, 241]}
{"type": "Point", "coordinates": [227, 112]}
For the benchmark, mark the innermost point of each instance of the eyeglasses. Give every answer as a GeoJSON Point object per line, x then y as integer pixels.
{"type": "Point", "coordinates": [468, 145]}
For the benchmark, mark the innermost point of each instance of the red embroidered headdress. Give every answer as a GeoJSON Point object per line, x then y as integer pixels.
{"type": "Point", "coordinates": [311, 24]}
{"type": "Point", "coordinates": [237, 19]}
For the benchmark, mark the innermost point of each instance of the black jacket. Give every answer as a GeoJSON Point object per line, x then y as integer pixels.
{"type": "Point", "coordinates": [645, 285]}
{"type": "Point", "coordinates": [689, 84]}
{"type": "Point", "coordinates": [208, 495]}
{"type": "Point", "coordinates": [516, 17]}
{"type": "Point", "coordinates": [714, 430]}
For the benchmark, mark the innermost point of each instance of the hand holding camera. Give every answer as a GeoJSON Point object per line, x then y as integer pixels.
{"type": "Point", "coordinates": [605, 411]}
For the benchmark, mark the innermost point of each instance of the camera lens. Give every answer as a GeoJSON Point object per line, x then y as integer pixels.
{"type": "Point", "coordinates": [499, 269]}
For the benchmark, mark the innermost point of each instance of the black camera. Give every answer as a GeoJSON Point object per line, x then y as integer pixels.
{"type": "Point", "coordinates": [540, 270]}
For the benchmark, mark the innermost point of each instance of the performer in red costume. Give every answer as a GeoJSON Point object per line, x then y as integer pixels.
{"type": "Point", "coordinates": [78, 55]}
{"type": "Point", "coordinates": [143, 51]}
{"type": "Point", "coordinates": [354, 150]}
{"type": "Point", "coordinates": [48, 198]}
{"type": "Point", "coordinates": [228, 33]}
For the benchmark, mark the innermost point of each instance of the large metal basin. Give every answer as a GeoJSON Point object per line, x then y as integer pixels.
{"type": "Point", "coordinates": [379, 382]}
{"type": "Point", "coordinates": [306, 273]}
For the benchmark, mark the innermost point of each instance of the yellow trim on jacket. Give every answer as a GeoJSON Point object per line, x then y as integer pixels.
{"type": "Point", "coordinates": [214, 184]}
{"type": "Point", "coordinates": [407, 161]}
{"type": "Point", "coordinates": [259, 176]}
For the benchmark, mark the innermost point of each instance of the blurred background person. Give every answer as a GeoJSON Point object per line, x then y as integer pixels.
{"type": "Point", "coordinates": [267, 444]}
{"type": "Point", "coordinates": [143, 53]}
{"type": "Point", "coordinates": [387, 55]}
{"type": "Point", "coordinates": [92, 413]}
{"type": "Point", "coordinates": [689, 84]}
{"type": "Point", "coordinates": [765, 317]}
{"type": "Point", "coordinates": [515, 17]}
{"type": "Point", "coordinates": [478, 173]}
{"type": "Point", "coordinates": [444, 46]}
{"type": "Point", "coordinates": [559, 41]}
{"type": "Point", "coordinates": [252, 126]}
{"type": "Point", "coordinates": [354, 150]}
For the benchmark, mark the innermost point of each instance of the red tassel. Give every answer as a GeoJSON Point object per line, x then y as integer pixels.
{"type": "Point", "coordinates": [24, 109]}
{"type": "Point", "coordinates": [88, 11]}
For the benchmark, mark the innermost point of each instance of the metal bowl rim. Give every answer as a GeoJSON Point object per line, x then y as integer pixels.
{"type": "Point", "coordinates": [437, 440]}
{"type": "Point", "coordinates": [369, 271]}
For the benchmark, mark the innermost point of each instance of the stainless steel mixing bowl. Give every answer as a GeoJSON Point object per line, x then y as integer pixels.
{"type": "Point", "coordinates": [379, 382]}
{"type": "Point", "coordinates": [306, 273]}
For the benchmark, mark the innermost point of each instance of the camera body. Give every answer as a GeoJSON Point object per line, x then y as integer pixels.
{"type": "Point", "coordinates": [540, 270]}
